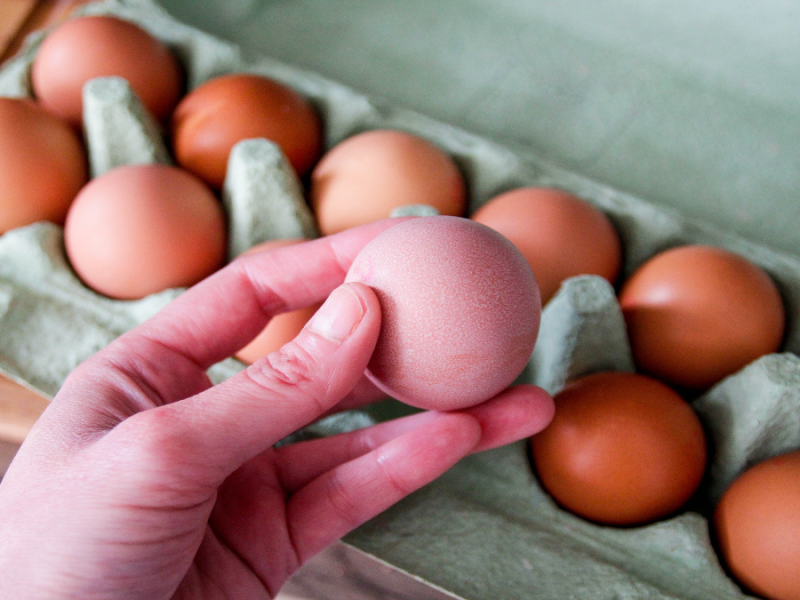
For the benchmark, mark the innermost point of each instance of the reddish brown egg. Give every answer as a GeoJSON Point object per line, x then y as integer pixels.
{"type": "Point", "coordinates": [559, 234]}
{"type": "Point", "coordinates": [141, 229]}
{"type": "Point", "coordinates": [460, 311]}
{"type": "Point", "coordinates": [42, 165]}
{"type": "Point", "coordinates": [100, 46]}
{"type": "Point", "coordinates": [757, 525]}
{"type": "Point", "coordinates": [282, 328]}
{"type": "Point", "coordinates": [367, 176]}
{"type": "Point", "coordinates": [212, 118]}
{"type": "Point", "coordinates": [696, 314]}
{"type": "Point", "coordinates": [622, 449]}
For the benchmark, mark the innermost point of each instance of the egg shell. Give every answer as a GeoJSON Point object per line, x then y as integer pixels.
{"type": "Point", "coordinates": [87, 47]}
{"type": "Point", "coordinates": [367, 176]}
{"type": "Point", "coordinates": [142, 229]}
{"type": "Point", "coordinates": [622, 449]}
{"type": "Point", "coordinates": [42, 165]}
{"type": "Point", "coordinates": [282, 328]}
{"type": "Point", "coordinates": [460, 311]}
{"type": "Point", "coordinates": [213, 117]}
{"type": "Point", "coordinates": [757, 524]}
{"type": "Point", "coordinates": [559, 234]}
{"type": "Point", "coordinates": [696, 314]}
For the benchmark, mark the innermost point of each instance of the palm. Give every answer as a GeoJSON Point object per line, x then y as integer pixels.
{"type": "Point", "coordinates": [246, 539]}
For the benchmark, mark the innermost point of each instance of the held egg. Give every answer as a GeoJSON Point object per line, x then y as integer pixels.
{"type": "Point", "coordinates": [559, 234]}
{"type": "Point", "coordinates": [42, 165]}
{"type": "Point", "coordinates": [696, 314]}
{"type": "Point", "coordinates": [212, 118]}
{"type": "Point", "coordinates": [460, 311]}
{"type": "Point", "coordinates": [757, 524]}
{"type": "Point", "coordinates": [100, 46]}
{"type": "Point", "coordinates": [367, 176]}
{"type": "Point", "coordinates": [282, 328]}
{"type": "Point", "coordinates": [137, 230]}
{"type": "Point", "coordinates": [622, 449]}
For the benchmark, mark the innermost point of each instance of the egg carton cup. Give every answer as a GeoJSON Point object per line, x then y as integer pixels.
{"type": "Point", "coordinates": [486, 529]}
{"type": "Point", "coordinates": [118, 129]}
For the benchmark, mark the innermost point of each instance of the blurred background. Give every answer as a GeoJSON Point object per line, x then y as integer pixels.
{"type": "Point", "coordinates": [691, 105]}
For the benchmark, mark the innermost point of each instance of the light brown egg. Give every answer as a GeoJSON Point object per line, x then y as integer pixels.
{"type": "Point", "coordinates": [137, 230]}
{"type": "Point", "coordinates": [757, 524]}
{"type": "Point", "coordinates": [696, 314]}
{"type": "Point", "coordinates": [282, 328]}
{"type": "Point", "coordinates": [42, 165]}
{"type": "Point", "coordinates": [460, 311]}
{"type": "Point", "coordinates": [212, 118]}
{"type": "Point", "coordinates": [622, 449]}
{"type": "Point", "coordinates": [100, 46]}
{"type": "Point", "coordinates": [367, 176]}
{"type": "Point", "coordinates": [559, 234]}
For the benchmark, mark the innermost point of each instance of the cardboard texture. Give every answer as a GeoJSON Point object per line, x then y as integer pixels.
{"type": "Point", "coordinates": [118, 129]}
{"type": "Point", "coordinates": [257, 174]}
{"type": "Point", "coordinates": [485, 530]}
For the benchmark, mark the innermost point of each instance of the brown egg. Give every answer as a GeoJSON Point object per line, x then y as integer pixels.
{"type": "Point", "coordinates": [696, 314]}
{"type": "Point", "coordinates": [100, 46]}
{"type": "Point", "coordinates": [559, 234]}
{"type": "Point", "coordinates": [367, 176]}
{"type": "Point", "coordinates": [211, 119]}
{"type": "Point", "coordinates": [282, 328]}
{"type": "Point", "coordinates": [460, 311]}
{"type": "Point", "coordinates": [42, 165]}
{"type": "Point", "coordinates": [757, 525]}
{"type": "Point", "coordinates": [622, 449]}
{"type": "Point", "coordinates": [141, 229]}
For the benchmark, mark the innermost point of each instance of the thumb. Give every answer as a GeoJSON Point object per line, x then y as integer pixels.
{"type": "Point", "coordinates": [228, 424]}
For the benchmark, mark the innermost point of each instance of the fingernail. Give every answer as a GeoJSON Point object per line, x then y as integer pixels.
{"type": "Point", "coordinates": [339, 315]}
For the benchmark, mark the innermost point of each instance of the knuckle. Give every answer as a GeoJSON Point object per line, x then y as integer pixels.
{"type": "Point", "coordinates": [365, 441]}
{"type": "Point", "coordinates": [399, 485]}
{"type": "Point", "coordinates": [157, 436]}
{"type": "Point", "coordinates": [154, 444]}
{"type": "Point", "coordinates": [342, 502]}
{"type": "Point", "coordinates": [161, 460]}
{"type": "Point", "coordinates": [291, 367]}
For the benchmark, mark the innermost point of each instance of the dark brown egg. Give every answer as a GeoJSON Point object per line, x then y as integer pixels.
{"type": "Point", "coordinates": [696, 314]}
{"type": "Point", "coordinates": [622, 449]}
{"type": "Point", "coordinates": [212, 118]}
{"type": "Point", "coordinates": [757, 525]}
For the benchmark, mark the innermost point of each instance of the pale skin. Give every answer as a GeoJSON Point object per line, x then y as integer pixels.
{"type": "Point", "coordinates": [143, 481]}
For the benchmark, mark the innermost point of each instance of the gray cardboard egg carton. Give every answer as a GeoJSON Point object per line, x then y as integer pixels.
{"type": "Point", "coordinates": [485, 530]}
{"type": "Point", "coordinates": [262, 197]}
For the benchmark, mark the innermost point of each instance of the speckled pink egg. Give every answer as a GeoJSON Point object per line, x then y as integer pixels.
{"type": "Point", "coordinates": [460, 311]}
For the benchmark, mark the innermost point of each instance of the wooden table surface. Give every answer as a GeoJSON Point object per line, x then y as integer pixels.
{"type": "Point", "coordinates": [19, 17]}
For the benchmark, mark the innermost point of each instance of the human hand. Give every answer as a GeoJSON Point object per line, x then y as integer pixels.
{"type": "Point", "coordinates": [143, 481]}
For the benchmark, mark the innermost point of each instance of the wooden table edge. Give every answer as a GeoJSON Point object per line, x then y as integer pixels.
{"type": "Point", "coordinates": [20, 407]}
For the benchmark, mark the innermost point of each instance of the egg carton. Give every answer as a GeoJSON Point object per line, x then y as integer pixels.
{"type": "Point", "coordinates": [486, 529]}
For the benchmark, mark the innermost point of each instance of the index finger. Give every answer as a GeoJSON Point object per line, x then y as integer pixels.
{"type": "Point", "coordinates": [218, 316]}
